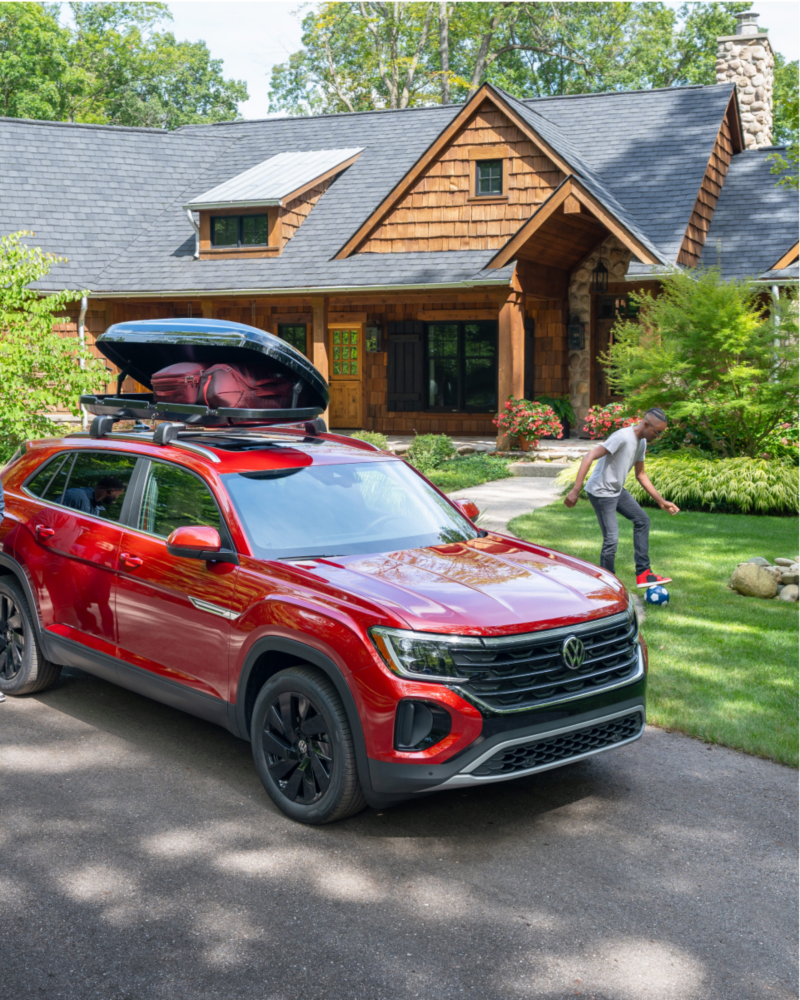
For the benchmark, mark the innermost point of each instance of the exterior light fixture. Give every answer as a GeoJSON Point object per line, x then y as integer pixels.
{"type": "Point", "coordinates": [575, 335]}
{"type": "Point", "coordinates": [600, 278]}
{"type": "Point", "coordinates": [373, 339]}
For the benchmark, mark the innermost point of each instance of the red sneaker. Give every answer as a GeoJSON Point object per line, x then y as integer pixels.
{"type": "Point", "coordinates": [651, 579]}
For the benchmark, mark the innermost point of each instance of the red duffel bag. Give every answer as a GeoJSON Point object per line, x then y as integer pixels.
{"type": "Point", "coordinates": [239, 387]}
{"type": "Point", "coordinates": [178, 383]}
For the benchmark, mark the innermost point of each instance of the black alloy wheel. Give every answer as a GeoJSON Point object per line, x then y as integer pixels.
{"type": "Point", "coordinates": [12, 639]}
{"type": "Point", "coordinates": [303, 747]}
{"type": "Point", "coordinates": [298, 749]}
{"type": "Point", "coordinates": [23, 666]}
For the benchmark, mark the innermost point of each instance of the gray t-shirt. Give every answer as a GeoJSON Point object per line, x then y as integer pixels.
{"type": "Point", "coordinates": [611, 471]}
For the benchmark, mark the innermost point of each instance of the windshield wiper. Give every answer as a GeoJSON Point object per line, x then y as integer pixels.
{"type": "Point", "coordinates": [327, 555]}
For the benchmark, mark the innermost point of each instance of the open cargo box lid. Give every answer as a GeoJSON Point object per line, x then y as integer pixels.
{"type": "Point", "coordinates": [142, 347]}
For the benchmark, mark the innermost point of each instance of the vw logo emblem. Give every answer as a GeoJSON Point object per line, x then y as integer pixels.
{"type": "Point", "coordinates": [573, 653]}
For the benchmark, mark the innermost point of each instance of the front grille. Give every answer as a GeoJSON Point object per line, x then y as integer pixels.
{"type": "Point", "coordinates": [560, 749]}
{"type": "Point", "coordinates": [517, 672]}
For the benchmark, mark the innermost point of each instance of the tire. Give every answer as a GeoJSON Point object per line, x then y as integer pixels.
{"type": "Point", "coordinates": [311, 776]}
{"type": "Point", "coordinates": [23, 667]}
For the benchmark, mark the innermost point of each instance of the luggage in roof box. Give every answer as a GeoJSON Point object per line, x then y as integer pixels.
{"type": "Point", "coordinates": [208, 372]}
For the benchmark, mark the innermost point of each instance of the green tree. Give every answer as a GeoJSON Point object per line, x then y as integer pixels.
{"type": "Point", "coordinates": [41, 370]}
{"type": "Point", "coordinates": [708, 352]}
{"type": "Point", "coordinates": [785, 130]}
{"type": "Point", "coordinates": [359, 56]}
{"type": "Point", "coordinates": [111, 65]}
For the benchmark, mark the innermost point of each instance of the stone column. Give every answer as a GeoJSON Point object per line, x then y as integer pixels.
{"type": "Point", "coordinates": [746, 60]}
{"type": "Point", "coordinates": [616, 257]}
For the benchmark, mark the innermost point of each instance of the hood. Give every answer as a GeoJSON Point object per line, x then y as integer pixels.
{"type": "Point", "coordinates": [482, 587]}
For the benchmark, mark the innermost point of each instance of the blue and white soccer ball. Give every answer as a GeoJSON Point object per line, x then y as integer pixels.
{"type": "Point", "coordinates": [656, 595]}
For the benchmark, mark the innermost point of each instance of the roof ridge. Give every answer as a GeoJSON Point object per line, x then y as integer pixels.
{"type": "Point", "coordinates": [332, 114]}
{"type": "Point", "coordinates": [624, 93]}
{"type": "Point", "coordinates": [95, 125]}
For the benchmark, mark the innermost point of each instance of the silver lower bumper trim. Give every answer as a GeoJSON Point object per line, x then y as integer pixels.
{"type": "Point", "coordinates": [466, 779]}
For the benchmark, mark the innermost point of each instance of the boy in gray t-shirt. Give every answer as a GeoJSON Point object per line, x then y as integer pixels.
{"type": "Point", "coordinates": [625, 449]}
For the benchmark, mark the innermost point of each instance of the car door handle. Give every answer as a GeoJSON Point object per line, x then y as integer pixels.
{"type": "Point", "coordinates": [129, 561]}
{"type": "Point", "coordinates": [42, 531]}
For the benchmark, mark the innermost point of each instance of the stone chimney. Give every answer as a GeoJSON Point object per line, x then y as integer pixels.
{"type": "Point", "coordinates": [746, 59]}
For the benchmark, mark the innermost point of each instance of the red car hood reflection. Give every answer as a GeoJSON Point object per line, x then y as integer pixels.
{"type": "Point", "coordinates": [483, 587]}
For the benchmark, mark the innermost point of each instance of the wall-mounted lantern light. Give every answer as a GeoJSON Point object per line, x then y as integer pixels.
{"type": "Point", "coordinates": [600, 278]}
{"type": "Point", "coordinates": [575, 335]}
{"type": "Point", "coordinates": [373, 339]}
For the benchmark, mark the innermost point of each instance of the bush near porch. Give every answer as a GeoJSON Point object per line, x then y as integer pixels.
{"type": "Point", "coordinates": [723, 667]}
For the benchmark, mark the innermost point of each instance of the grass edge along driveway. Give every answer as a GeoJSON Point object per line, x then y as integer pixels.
{"type": "Point", "coordinates": [723, 667]}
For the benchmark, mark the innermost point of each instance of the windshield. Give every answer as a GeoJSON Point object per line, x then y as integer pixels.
{"type": "Point", "coordinates": [335, 510]}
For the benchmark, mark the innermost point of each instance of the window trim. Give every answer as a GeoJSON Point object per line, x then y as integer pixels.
{"type": "Point", "coordinates": [461, 361]}
{"type": "Point", "coordinates": [477, 193]}
{"type": "Point", "coordinates": [240, 245]}
{"type": "Point", "coordinates": [69, 455]}
{"type": "Point", "coordinates": [137, 497]}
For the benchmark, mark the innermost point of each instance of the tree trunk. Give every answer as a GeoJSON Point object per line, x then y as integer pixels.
{"type": "Point", "coordinates": [444, 51]}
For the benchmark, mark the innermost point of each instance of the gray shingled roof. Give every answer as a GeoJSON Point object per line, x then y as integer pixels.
{"type": "Point", "coordinates": [110, 198]}
{"type": "Point", "coordinates": [755, 221]}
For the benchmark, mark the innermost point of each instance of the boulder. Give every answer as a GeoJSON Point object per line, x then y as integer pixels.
{"type": "Point", "coordinates": [784, 562]}
{"type": "Point", "coordinates": [790, 576]}
{"type": "Point", "coordinates": [466, 449]}
{"type": "Point", "coordinates": [759, 561]}
{"type": "Point", "coordinates": [754, 581]}
{"type": "Point", "coordinates": [790, 593]}
{"type": "Point", "coordinates": [400, 449]}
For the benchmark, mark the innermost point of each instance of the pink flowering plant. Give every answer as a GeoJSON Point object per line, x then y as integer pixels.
{"type": "Point", "coordinates": [523, 419]}
{"type": "Point", "coordinates": [604, 420]}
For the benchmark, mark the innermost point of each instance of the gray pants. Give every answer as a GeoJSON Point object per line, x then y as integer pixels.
{"type": "Point", "coordinates": [606, 509]}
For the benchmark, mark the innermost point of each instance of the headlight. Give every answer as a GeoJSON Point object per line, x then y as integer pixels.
{"type": "Point", "coordinates": [421, 656]}
{"type": "Point", "coordinates": [633, 616]}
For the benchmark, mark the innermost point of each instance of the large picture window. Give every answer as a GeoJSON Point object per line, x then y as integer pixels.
{"type": "Point", "coordinates": [239, 230]}
{"type": "Point", "coordinates": [461, 367]}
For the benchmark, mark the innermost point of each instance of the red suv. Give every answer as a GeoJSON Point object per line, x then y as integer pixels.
{"type": "Point", "coordinates": [315, 596]}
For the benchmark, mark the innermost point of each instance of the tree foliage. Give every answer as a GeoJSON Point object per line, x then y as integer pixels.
{"type": "Point", "coordinates": [709, 352]}
{"type": "Point", "coordinates": [110, 66]}
{"type": "Point", "coordinates": [360, 56]}
{"type": "Point", "coordinates": [41, 370]}
{"type": "Point", "coordinates": [785, 130]}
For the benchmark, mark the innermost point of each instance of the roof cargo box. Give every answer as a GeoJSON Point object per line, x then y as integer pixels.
{"type": "Point", "coordinates": [143, 347]}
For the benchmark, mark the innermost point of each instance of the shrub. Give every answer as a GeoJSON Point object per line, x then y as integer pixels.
{"type": "Point", "coordinates": [604, 420]}
{"type": "Point", "coordinates": [469, 470]}
{"type": "Point", "coordinates": [725, 485]}
{"type": "Point", "coordinates": [373, 437]}
{"type": "Point", "coordinates": [429, 451]}
{"type": "Point", "coordinates": [710, 353]}
{"type": "Point", "coordinates": [531, 421]}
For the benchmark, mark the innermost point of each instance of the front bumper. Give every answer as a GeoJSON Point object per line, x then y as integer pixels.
{"type": "Point", "coordinates": [525, 744]}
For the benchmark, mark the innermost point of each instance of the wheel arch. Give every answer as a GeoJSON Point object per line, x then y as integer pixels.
{"type": "Point", "coordinates": [10, 567]}
{"type": "Point", "coordinates": [268, 657]}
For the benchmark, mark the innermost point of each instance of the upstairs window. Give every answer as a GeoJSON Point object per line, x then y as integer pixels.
{"type": "Point", "coordinates": [489, 177]}
{"type": "Point", "coordinates": [239, 230]}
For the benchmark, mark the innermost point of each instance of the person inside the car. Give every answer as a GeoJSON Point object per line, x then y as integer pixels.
{"type": "Point", "coordinates": [92, 499]}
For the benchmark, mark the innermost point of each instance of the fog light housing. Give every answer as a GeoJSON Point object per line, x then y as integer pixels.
{"type": "Point", "coordinates": [419, 725]}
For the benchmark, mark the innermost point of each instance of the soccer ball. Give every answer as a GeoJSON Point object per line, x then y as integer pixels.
{"type": "Point", "coordinates": [656, 595]}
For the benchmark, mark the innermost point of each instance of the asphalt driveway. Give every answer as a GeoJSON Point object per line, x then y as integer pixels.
{"type": "Point", "coordinates": [141, 859]}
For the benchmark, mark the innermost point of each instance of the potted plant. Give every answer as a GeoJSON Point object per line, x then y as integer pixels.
{"type": "Point", "coordinates": [527, 421]}
{"type": "Point", "coordinates": [562, 407]}
{"type": "Point", "coordinates": [604, 420]}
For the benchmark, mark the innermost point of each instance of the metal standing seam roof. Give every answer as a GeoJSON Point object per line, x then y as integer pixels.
{"type": "Point", "coordinates": [111, 199]}
{"type": "Point", "coordinates": [268, 183]}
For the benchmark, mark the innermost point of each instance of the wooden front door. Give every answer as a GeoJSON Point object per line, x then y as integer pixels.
{"type": "Point", "coordinates": [346, 375]}
{"type": "Point", "coordinates": [608, 309]}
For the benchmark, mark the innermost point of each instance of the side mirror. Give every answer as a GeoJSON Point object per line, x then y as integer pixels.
{"type": "Point", "coordinates": [199, 542]}
{"type": "Point", "coordinates": [468, 508]}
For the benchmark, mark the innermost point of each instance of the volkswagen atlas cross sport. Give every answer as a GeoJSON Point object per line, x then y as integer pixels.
{"type": "Point", "coordinates": [313, 595]}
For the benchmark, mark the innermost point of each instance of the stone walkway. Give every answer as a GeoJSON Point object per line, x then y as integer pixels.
{"type": "Point", "coordinates": [506, 499]}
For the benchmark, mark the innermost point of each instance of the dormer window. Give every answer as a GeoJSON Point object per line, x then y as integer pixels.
{"type": "Point", "coordinates": [256, 212]}
{"type": "Point", "coordinates": [239, 230]}
{"type": "Point", "coordinates": [489, 178]}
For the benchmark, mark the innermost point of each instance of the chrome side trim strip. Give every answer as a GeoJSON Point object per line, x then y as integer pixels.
{"type": "Point", "coordinates": [465, 778]}
{"type": "Point", "coordinates": [214, 609]}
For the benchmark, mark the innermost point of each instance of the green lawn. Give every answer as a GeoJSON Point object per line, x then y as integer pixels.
{"type": "Point", "coordinates": [469, 470]}
{"type": "Point", "coordinates": [722, 667]}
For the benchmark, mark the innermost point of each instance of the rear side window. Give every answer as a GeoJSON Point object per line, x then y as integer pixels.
{"type": "Point", "coordinates": [174, 498]}
{"type": "Point", "coordinates": [91, 482]}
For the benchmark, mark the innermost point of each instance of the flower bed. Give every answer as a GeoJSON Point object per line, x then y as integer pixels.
{"type": "Point", "coordinates": [604, 420]}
